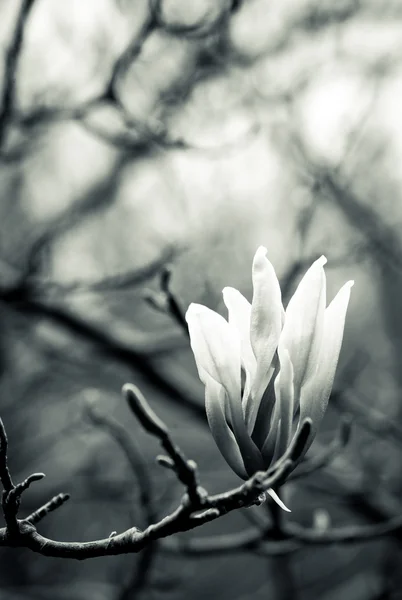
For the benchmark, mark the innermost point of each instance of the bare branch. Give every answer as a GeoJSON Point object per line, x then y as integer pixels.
{"type": "Point", "coordinates": [184, 518]}
{"type": "Point", "coordinates": [196, 507]}
{"type": "Point", "coordinates": [133, 453]}
{"type": "Point", "coordinates": [165, 300]}
{"type": "Point", "coordinates": [109, 345]}
{"type": "Point", "coordinates": [47, 508]}
{"type": "Point", "coordinates": [5, 476]}
{"type": "Point", "coordinates": [294, 538]}
{"type": "Point", "coordinates": [11, 62]}
{"type": "Point", "coordinates": [344, 535]}
{"type": "Point", "coordinates": [184, 469]}
{"type": "Point", "coordinates": [11, 496]}
{"type": "Point", "coordinates": [249, 539]}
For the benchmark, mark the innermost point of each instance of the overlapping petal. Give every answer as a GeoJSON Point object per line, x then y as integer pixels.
{"type": "Point", "coordinates": [265, 329]}
{"type": "Point", "coordinates": [289, 360]}
{"type": "Point", "coordinates": [304, 321]}
{"type": "Point", "coordinates": [315, 393]}
{"type": "Point", "coordinates": [280, 429]}
{"type": "Point", "coordinates": [217, 352]}
{"type": "Point", "coordinates": [216, 347]}
{"type": "Point", "coordinates": [215, 403]}
{"type": "Point", "coordinates": [284, 391]}
{"type": "Point", "coordinates": [239, 313]}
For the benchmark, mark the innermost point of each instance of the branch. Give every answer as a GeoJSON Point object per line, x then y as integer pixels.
{"type": "Point", "coordinates": [196, 507]}
{"type": "Point", "coordinates": [184, 469]}
{"type": "Point", "coordinates": [11, 62]}
{"type": "Point", "coordinates": [47, 508]}
{"type": "Point", "coordinates": [140, 574]}
{"type": "Point", "coordinates": [132, 452]}
{"type": "Point", "coordinates": [109, 346]}
{"type": "Point", "coordinates": [11, 496]}
{"type": "Point", "coordinates": [344, 535]}
{"type": "Point", "coordinates": [165, 300]}
{"type": "Point", "coordinates": [294, 537]}
{"type": "Point", "coordinates": [5, 476]}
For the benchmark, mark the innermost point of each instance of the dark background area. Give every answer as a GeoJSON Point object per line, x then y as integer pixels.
{"type": "Point", "coordinates": [137, 135]}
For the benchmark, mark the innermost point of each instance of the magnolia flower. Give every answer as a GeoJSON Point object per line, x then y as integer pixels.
{"type": "Point", "coordinates": [266, 370]}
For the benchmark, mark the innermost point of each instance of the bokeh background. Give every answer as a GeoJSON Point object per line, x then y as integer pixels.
{"type": "Point", "coordinates": [139, 135]}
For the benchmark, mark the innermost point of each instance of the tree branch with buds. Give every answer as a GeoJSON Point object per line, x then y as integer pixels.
{"type": "Point", "coordinates": [195, 508]}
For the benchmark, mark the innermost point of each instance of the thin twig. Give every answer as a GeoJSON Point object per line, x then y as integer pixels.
{"type": "Point", "coordinates": [165, 300]}
{"type": "Point", "coordinates": [11, 63]}
{"type": "Point", "coordinates": [5, 476]}
{"type": "Point", "coordinates": [140, 576]}
{"type": "Point", "coordinates": [42, 512]}
{"type": "Point", "coordinates": [344, 535]}
{"type": "Point", "coordinates": [186, 470]}
{"type": "Point", "coordinates": [184, 518]}
{"type": "Point", "coordinates": [196, 508]}
{"type": "Point", "coordinates": [133, 453]}
{"type": "Point", "coordinates": [110, 346]}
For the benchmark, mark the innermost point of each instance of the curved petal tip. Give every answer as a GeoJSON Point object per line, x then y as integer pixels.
{"type": "Point", "coordinates": [261, 251]}
{"type": "Point", "coordinates": [195, 309]}
{"type": "Point", "coordinates": [228, 290]}
{"type": "Point", "coordinates": [276, 499]}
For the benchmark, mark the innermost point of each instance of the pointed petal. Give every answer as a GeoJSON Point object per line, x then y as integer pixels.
{"type": "Point", "coordinates": [266, 325]}
{"type": "Point", "coordinates": [276, 498]}
{"type": "Point", "coordinates": [302, 331]}
{"type": "Point", "coordinates": [265, 411]}
{"type": "Point", "coordinates": [251, 455]}
{"type": "Point", "coordinates": [285, 398]}
{"type": "Point", "coordinates": [239, 309]}
{"type": "Point", "coordinates": [280, 429]}
{"type": "Point", "coordinates": [315, 393]}
{"type": "Point", "coordinates": [216, 347]}
{"type": "Point", "coordinates": [215, 398]}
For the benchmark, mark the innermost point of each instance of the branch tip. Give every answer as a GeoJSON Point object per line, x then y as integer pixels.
{"type": "Point", "coordinates": [345, 430]}
{"type": "Point", "coordinates": [144, 413]}
{"type": "Point", "coordinates": [44, 510]}
{"type": "Point", "coordinates": [165, 461]}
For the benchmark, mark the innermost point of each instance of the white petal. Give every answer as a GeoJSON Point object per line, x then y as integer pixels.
{"type": "Point", "coordinates": [215, 398]}
{"type": "Point", "coordinates": [276, 498]}
{"type": "Point", "coordinates": [216, 347]}
{"type": "Point", "coordinates": [284, 392]}
{"type": "Point", "coordinates": [239, 312]}
{"type": "Point", "coordinates": [280, 429]}
{"type": "Point", "coordinates": [315, 393]}
{"type": "Point", "coordinates": [304, 317]}
{"type": "Point", "coordinates": [266, 324]}
{"type": "Point", "coordinates": [239, 309]}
